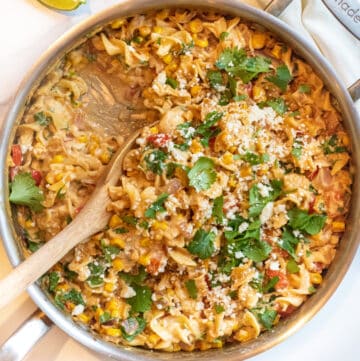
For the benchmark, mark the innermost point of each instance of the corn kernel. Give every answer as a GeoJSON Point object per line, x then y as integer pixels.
{"type": "Point", "coordinates": [154, 338]}
{"type": "Point", "coordinates": [29, 224]}
{"type": "Point", "coordinates": [157, 29]}
{"type": "Point", "coordinates": [109, 287]}
{"type": "Point", "coordinates": [171, 67]}
{"type": "Point", "coordinates": [116, 24]}
{"type": "Point", "coordinates": [59, 158]}
{"type": "Point", "coordinates": [59, 177]}
{"type": "Point", "coordinates": [217, 344]}
{"type": "Point", "coordinates": [196, 26]}
{"type": "Point", "coordinates": [113, 304]}
{"type": "Point", "coordinates": [167, 59]}
{"type": "Point", "coordinates": [144, 259]}
{"type": "Point", "coordinates": [276, 51]}
{"type": "Point", "coordinates": [118, 242]}
{"type": "Point", "coordinates": [195, 90]}
{"type": "Point", "coordinates": [83, 318]}
{"type": "Point", "coordinates": [99, 311]}
{"type": "Point", "coordinates": [202, 43]}
{"type": "Point", "coordinates": [338, 226]}
{"type": "Point", "coordinates": [315, 278]}
{"type": "Point", "coordinates": [232, 149]}
{"type": "Point", "coordinates": [154, 130]}
{"type": "Point", "coordinates": [146, 93]}
{"type": "Point", "coordinates": [83, 139]}
{"type": "Point", "coordinates": [145, 242]}
{"type": "Point", "coordinates": [227, 158]}
{"type": "Point", "coordinates": [242, 335]}
{"type": "Point", "coordinates": [118, 264]}
{"type": "Point", "coordinates": [115, 221]}
{"type": "Point", "coordinates": [258, 40]}
{"type": "Point", "coordinates": [345, 139]}
{"type": "Point", "coordinates": [160, 225]}
{"type": "Point", "coordinates": [259, 93]}
{"type": "Point", "coordinates": [115, 313]}
{"type": "Point", "coordinates": [196, 147]}
{"type": "Point", "coordinates": [163, 14]}
{"type": "Point", "coordinates": [245, 171]}
{"type": "Point", "coordinates": [232, 181]}
{"type": "Point", "coordinates": [105, 157]}
{"type": "Point", "coordinates": [114, 332]}
{"type": "Point", "coordinates": [144, 31]}
{"type": "Point", "coordinates": [62, 288]}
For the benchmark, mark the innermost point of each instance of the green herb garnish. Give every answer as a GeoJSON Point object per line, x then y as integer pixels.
{"type": "Point", "coordinates": [157, 206]}
{"type": "Point", "coordinates": [202, 175]}
{"type": "Point", "coordinates": [282, 77]}
{"type": "Point", "coordinates": [202, 244]}
{"type": "Point", "coordinates": [191, 288]}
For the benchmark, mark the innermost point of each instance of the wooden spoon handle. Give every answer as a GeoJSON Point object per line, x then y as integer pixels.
{"type": "Point", "coordinates": [37, 264]}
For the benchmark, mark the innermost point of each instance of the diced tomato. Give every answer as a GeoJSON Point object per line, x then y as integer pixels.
{"type": "Point", "coordinates": [212, 143]}
{"type": "Point", "coordinates": [16, 154]}
{"type": "Point", "coordinates": [283, 281]}
{"type": "Point", "coordinates": [36, 175]}
{"type": "Point", "coordinates": [312, 175]}
{"type": "Point", "coordinates": [318, 267]}
{"type": "Point", "coordinates": [153, 267]}
{"type": "Point", "coordinates": [311, 206]}
{"type": "Point", "coordinates": [159, 140]}
{"type": "Point", "coordinates": [13, 172]}
{"type": "Point", "coordinates": [287, 312]}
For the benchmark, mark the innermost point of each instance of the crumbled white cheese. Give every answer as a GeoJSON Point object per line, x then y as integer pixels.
{"type": "Point", "coordinates": [127, 292]}
{"type": "Point", "coordinates": [266, 212]}
{"type": "Point", "coordinates": [243, 227]}
{"type": "Point", "coordinates": [77, 310]}
{"type": "Point", "coordinates": [264, 190]}
{"type": "Point", "coordinates": [274, 266]}
{"type": "Point", "coordinates": [239, 255]}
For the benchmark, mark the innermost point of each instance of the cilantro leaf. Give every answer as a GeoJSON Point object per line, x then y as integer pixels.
{"type": "Point", "coordinates": [121, 230]}
{"type": "Point", "coordinates": [110, 251]}
{"type": "Point", "coordinates": [239, 98]}
{"type": "Point", "coordinates": [252, 158]}
{"type": "Point", "coordinates": [278, 104]}
{"type": "Point", "coordinates": [202, 244]}
{"type": "Point", "coordinates": [257, 282]}
{"type": "Point", "coordinates": [296, 150]}
{"type": "Point", "coordinates": [257, 202]}
{"type": "Point", "coordinates": [54, 278]}
{"type": "Point", "coordinates": [191, 288]}
{"type": "Point", "coordinates": [202, 175]}
{"type": "Point", "coordinates": [289, 242]}
{"type": "Point", "coordinates": [42, 118]}
{"type": "Point", "coordinates": [303, 221]}
{"type": "Point", "coordinates": [215, 78]}
{"type": "Point", "coordinates": [157, 206]}
{"type": "Point", "coordinates": [282, 77]}
{"type": "Point", "coordinates": [131, 327]}
{"type": "Point", "coordinates": [205, 129]}
{"type": "Point", "coordinates": [128, 219]}
{"type": "Point", "coordinates": [219, 308]}
{"type": "Point", "coordinates": [137, 279]}
{"type": "Point", "coordinates": [73, 296]}
{"type": "Point", "coordinates": [172, 82]}
{"type": "Point", "coordinates": [96, 278]}
{"type": "Point", "coordinates": [155, 161]}
{"type": "Point", "coordinates": [256, 250]}
{"type": "Point", "coordinates": [223, 35]}
{"type": "Point", "coordinates": [267, 318]}
{"type": "Point", "coordinates": [141, 302]}
{"type": "Point", "coordinates": [186, 48]}
{"type": "Point", "coordinates": [217, 211]}
{"type": "Point", "coordinates": [105, 317]}
{"type": "Point", "coordinates": [25, 192]}
{"type": "Point", "coordinates": [269, 286]}
{"type": "Point", "coordinates": [292, 266]}
{"type": "Point", "coordinates": [331, 146]}
{"type": "Point", "coordinates": [304, 88]}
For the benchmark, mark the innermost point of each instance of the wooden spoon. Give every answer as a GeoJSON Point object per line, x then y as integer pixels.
{"type": "Point", "coordinates": [90, 220]}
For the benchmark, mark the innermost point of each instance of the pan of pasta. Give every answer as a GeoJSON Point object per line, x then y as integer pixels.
{"type": "Point", "coordinates": [236, 214]}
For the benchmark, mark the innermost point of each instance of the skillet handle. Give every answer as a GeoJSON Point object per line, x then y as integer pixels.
{"type": "Point", "coordinates": [276, 7]}
{"type": "Point", "coordinates": [25, 337]}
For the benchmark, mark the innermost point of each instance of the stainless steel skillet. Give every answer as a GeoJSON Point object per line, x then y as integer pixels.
{"type": "Point", "coordinates": [349, 242]}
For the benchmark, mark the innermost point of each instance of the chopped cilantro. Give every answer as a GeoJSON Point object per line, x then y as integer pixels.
{"type": "Point", "coordinates": [25, 192]}
{"type": "Point", "coordinates": [253, 158]}
{"type": "Point", "coordinates": [141, 302]}
{"type": "Point", "coordinates": [105, 317]}
{"type": "Point", "coordinates": [144, 224]}
{"type": "Point", "coordinates": [267, 318]}
{"type": "Point", "coordinates": [278, 104]}
{"type": "Point", "coordinates": [282, 77]}
{"type": "Point", "coordinates": [296, 150]}
{"type": "Point", "coordinates": [257, 202]}
{"type": "Point", "coordinates": [331, 146]}
{"type": "Point", "coordinates": [257, 282]}
{"type": "Point", "coordinates": [312, 289]}
{"type": "Point", "coordinates": [304, 88]}
{"type": "Point", "coordinates": [292, 266]}
{"type": "Point", "coordinates": [191, 288]}
{"type": "Point", "coordinates": [131, 327]}
{"type": "Point", "coordinates": [121, 230]}
{"type": "Point", "coordinates": [289, 242]}
{"type": "Point", "coordinates": [219, 308]}
{"type": "Point", "coordinates": [205, 130]}
{"type": "Point", "coordinates": [186, 48]}
{"type": "Point", "coordinates": [202, 175]}
{"type": "Point", "coordinates": [96, 278]}
{"type": "Point", "coordinates": [303, 221]}
{"type": "Point", "coordinates": [217, 210]}
{"type": "Point", "coordinates": [33, 246]}
{"type": "Point", "coordinates": [239, 98]}
{"type": "Point", "coordinates": [69, 274]}
{"type": "Point", "coordinates": [157, 206]}
{"type": "Point", "coordinates": [237, 64]}
{"type": "Point", "coordinates": [172, 82]}
{"type": "Point", "coordinates": [110, 251]}
{"type": "Point", "coordinates": [225, 97]}
{"type": "Point", "coordinates": [54, 278]}
{"type": "Point", "coordinates": [215, 79]}
{"type": "Point", "coordinates": [128, 219]}
{"type": "Point", "coordinates": [42, 118]}
{"type": "Point", "coordinates": [224, 35]}
{"type": "Point", "coordinates": [269, 286]}
{"type": "Point", "coordinates": [155, 161]}
{"type": "Point", "coordinates": [202, 244]}
{"type": "Point", "coordinates": [73, 296]}
{"type": "Point", "coordinates": [137, 279]}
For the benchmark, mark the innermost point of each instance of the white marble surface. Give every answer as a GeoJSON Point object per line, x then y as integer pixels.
{"type": "Point", "coordinates": [26, 29]}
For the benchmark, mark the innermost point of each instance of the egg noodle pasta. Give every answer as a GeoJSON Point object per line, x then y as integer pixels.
{"type": "Point", "coordinates": [231, 203]}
